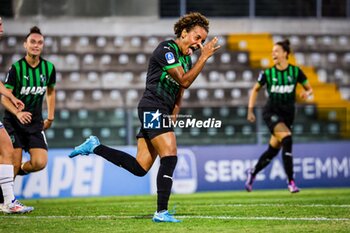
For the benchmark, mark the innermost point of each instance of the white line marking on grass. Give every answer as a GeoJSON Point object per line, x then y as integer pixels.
{"type": "Point", "coordinates": [290, 205]}
{"type": "Point", "coordinates": [181, 217]}
{"type": "Point", "coordinates": [265, 218]}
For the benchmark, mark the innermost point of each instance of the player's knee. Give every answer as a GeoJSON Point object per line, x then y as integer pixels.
{"type": "Point", "coordinates": [38, 165]}
{"type": "Point", "coordinates": [140, 172]}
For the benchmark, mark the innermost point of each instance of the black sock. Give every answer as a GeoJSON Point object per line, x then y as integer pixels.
{"type": "Point", "coordinates": [165, 181]}
{"type": "Point", "coordinates": [265, 159]}
{"type": "Point", "coordinates": [287, 156]}
{"type": "Point", "coordinates": [120, 159]}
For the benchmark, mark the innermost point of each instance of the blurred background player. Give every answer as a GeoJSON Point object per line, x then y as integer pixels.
{"type": "Point", "coordinates": [9, 204]}
{"type": "Point", "coordinates": [30, 79]}
{"type": "Point", "coordinates": [281, 81]}
{"type": "Point", "coordinates": [170, 71]}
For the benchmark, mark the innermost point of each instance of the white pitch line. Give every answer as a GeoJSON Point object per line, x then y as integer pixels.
{"type": "Point", "coordinates": [180, 217]}
{"type": "Point", "coordinates": [289, 205]}
{"type": "Point", "coordinates": [265, 218]}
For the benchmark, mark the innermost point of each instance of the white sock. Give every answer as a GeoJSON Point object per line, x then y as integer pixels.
{"type": "Point", "coordinates": [6, 182]}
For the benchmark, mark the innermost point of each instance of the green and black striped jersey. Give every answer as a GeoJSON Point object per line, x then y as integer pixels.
{"type": "Point", "coordinates": [281, 84]}
{"type": "Point", "coordinates": [29, 85]}
{"type": "Point", "coordinates": [161, 89]}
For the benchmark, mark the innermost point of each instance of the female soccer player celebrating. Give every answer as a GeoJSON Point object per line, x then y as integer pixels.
{"type": "Point", "coordinates": [170, 71]}
{"type": "Point", "coordinates": [30, 79]}
{"type": "Point", "coordinates": [281, 81]}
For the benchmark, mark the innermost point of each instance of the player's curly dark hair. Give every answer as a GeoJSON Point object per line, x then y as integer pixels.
{"type": "Point", "coordinates": [35, 30]}
{"type": "Point", "coordinates": [189, 21]}
{"type": "Point", "coordinates": [285, 44]}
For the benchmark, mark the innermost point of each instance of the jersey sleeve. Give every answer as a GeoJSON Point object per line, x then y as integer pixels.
{"type": "Point", "coordinates": [10, 80]}
{"type": "Point", "coordinates": [166, 57]}
{"type": "Point", "coordinates": [301, 77]}
{"type": "Point", "coordinates": [52, 79]}
{"type": "Point", "coordinates": [262, 78]}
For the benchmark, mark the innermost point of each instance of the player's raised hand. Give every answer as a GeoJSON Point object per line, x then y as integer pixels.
{"type": "Point", "coordinates": [209, 48]}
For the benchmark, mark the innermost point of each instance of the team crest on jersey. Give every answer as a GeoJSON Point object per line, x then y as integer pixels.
{"type": "Point", "coordinates": [170, 58]}
{"type": "Point", "coordinates": [42, 78]}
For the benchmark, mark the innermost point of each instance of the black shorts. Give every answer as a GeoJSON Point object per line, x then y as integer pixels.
{"type": "Point", "coordinates": [154, 122]}
{"type": "Point", "coordinates": [28, 141]}
{"type": "Point", "coordinates": [273, 115]}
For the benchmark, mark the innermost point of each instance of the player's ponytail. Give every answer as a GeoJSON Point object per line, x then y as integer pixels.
{"type": "Point", "coordinates": [285, 44]}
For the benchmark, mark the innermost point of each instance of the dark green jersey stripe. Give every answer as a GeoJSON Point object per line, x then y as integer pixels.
{"type": "Point", "coordinates": [43, 70]}
{"type": "Point", "coordinates": [37, 98]}
{"type": "Point", "coordinates": [17, 67]}
{"type": "Point", "coordinates": [49, 69]}
{"type": "Point", "coordinates": [290, 69]}
{"type": "Point", "coordinates": [273, 83]}
{"type": "Point", "coordinates": [268, 80]}
{"type": "Point", "coordinates": [174, 46]}
{"type": "Point", "coordinates": [279, 97]}
{"type": "Point", "coordinates": [29, 98]}
{"type": "Point", "coordinates": [24, 73]}
{"type": "Point", "coordinates": [285, 82]}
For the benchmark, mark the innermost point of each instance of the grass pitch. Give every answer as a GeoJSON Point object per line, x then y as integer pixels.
{"type": "Point", "coordinates": [311, 210]}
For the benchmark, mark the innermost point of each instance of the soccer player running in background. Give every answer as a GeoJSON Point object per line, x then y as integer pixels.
{"type": "Point", "coordinates": [170, 71]}
{"type": "Point", "coordinates": [9, 204]}
{"type": "Point", "coordinates": [281, 81]}
{"type": "Point", "coordinates": [30, 79]}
